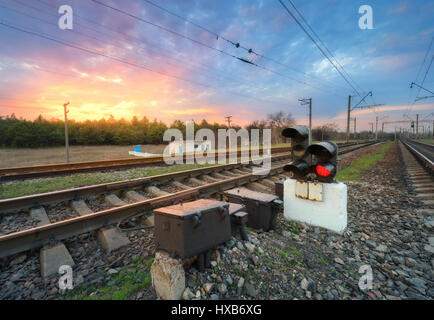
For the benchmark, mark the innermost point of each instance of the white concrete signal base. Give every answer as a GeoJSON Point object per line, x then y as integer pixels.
{"type": "Point", "coordinates": [330, 213]}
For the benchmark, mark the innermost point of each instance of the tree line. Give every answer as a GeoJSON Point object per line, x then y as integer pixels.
{"type": "Point", "coordinates": [21, 133]}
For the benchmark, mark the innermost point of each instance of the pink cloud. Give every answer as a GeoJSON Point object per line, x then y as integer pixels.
{"type": "Point", "coordinates": [402, 8]}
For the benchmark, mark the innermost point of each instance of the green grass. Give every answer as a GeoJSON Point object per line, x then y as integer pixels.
{"type": "Point", "coordinates": [283, 254]}
{"type": "Point", "coordinates": [128, 281]}
{"type": "Point", "coordinates": [427, 140]}
{"type": "Point", "coordinates": [294, 251]}
{"type": "Point", "coordinates": [355, 171]}
{"type": "Point", "coordinates": [27, 187]}
{"type": "Point", "coordinates": [33, 186]}
{"type": "Point", "coordinates": [293, 227]}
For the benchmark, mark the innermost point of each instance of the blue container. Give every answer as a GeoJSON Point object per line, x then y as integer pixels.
{"type": "Point", "coordinates": [137, 149]}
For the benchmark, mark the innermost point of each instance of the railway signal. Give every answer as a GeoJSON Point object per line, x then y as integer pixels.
{"type": "Point", "coordinates": [311, 162]}
{"type": "Point", "coordinates": [299, 136]}
{"type": "Point", "coordinates": [324, 162]}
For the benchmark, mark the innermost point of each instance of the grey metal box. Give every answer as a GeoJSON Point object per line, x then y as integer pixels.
{"type": "Point", "coordinates": [262, 208]}
{"type": "Point", "coordinates": [192, 228]}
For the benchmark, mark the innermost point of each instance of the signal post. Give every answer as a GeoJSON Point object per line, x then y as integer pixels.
{"type": "Point", "coordinates": [312, 195]}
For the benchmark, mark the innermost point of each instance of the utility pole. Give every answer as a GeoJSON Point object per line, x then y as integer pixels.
{"type": "Point", "coordinates": [355, 132]}
{"type": "Point", "coordinates": [354, 122]}
{"type": "Point", "coordinates": [228, 119]}
{"type": "Point", "coordinates": [66, 130]}
{"type": "Point", "coordinates": [357, 107]}
{"type": "Point", "coordinates": [305, 102]}
{"type": "Point", "coordinates": [417, 126]}
{"type": "Point", "coordinates": [376, 127]}
{"type": "Point", "coordinates": [348, 118]}
{"type": "Point", "coordinates": [372, 127]}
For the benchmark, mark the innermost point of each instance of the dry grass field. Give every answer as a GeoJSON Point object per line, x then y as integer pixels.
{"type": "Point", "coordinates": [17, 157]}
{"type": "Point", "coordinates": [10, 157]}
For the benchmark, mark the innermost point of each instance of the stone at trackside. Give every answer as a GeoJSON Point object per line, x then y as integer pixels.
{"type": "Point", "coordinates": [52, 257]}
{"type": "Point", "coordinates": [112, 239]}
{"type": "Point", "coordinates": [168, 276]}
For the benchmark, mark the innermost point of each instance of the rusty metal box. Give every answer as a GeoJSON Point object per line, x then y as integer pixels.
{"type": "Point", "coordinates": [278, 188]}
{"type": "Point", "coordinates": [262, 208]}
{"type": "Point", "coordinates": [239, 218]}
{"type": "Point", "coordinates": [192, 228]}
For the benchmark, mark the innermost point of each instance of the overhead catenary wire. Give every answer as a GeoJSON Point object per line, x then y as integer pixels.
{"type": "Point", "coordinates": [232, 42]}
{"type": "Point", "coordinates": [132, 64]}
{"type": "Point", "coordinates": [136, 40]}
{"type": "Point", "coordinates": [198, 65]}
{"type": "Point", "coordinates": [418, 73]}
{"type": "Point", "coordinates": [424, 59]}
{"type": "Point", "coordinates": [325, 47]}
{"type": "Point", "coordinates": [203, 44]}
{"type": "Point", "coordinates": [319, 47]}
{"type": "Point", "coordinates": [32, 17]}
{"type": "Point", "coordinates": [241, 59]}
{"type": "Point", "coordinates": [93, 38]}
{"type": "Point", "coordinates": [426, 73]}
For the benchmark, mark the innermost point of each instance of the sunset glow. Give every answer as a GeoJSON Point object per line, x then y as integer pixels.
{"type": "Point", "coordinates": [132, 68]}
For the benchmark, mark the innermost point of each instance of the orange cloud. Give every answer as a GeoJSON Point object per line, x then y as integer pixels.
{"type": "Point", "coordinates": [194, 111]}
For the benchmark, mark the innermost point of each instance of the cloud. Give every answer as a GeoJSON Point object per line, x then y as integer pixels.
{"type": "Point", "coordinates": [194, 111]}
{"type": "Point", "coordinates": [400, 9]}
{"type": "Point", "coordinates": [391, 63]}
{"type": "Point", "coordinates": [343, 115]}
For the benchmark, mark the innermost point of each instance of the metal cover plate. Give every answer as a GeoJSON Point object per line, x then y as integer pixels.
{"type": "Point", "coordinates": [302, 190]}
{"type": "Point", "coordinates": [189, 208]}
{"type": "Point", "coordinates": [246, 193]}
{"type": "Point", "coordinates": [315, 191]}
{"type": "Point", "coordinates": [235, 207]}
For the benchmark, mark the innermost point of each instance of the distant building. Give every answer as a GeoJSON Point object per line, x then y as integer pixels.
{"type": "Point", "coordinates": [140, 152]}
{"type": "Point", "coordinates": [179, 146]}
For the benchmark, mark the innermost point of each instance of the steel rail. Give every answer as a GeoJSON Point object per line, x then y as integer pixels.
{"type": "Point", "coordinates": [422, 158]}
{"type": "Point", "coordinates": [51, 170]}
{"type": "Point", "coordinates": [38, 236]}
{"type": "Point", "coordinates": [14, 204]}
{"type": "Point", "coordinates": [11, 205]}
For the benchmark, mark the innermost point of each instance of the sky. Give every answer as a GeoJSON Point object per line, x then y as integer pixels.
{"type": "Point", "coordinates": [135, 59]}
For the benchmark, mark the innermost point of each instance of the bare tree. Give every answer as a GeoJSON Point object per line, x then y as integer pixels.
{"type": "Point", "coordinates": [276, 122]}
{"type": "Point", "coordinates": [327, 131]}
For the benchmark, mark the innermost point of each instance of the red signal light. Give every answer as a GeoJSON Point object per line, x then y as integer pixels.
{"type": "Point", "coordinates": [322, 171]}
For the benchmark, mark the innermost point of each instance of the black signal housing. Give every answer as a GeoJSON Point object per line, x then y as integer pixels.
{"type": "Point", "coordinates": [324, 161]}
{"type": "Point", "coordinates": [301, 163]}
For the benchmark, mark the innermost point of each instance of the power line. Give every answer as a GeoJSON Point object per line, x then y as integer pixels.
{"type": "Point", "coordinates": [88, 36]}
{"type": "Point", "coordinates": [71, 45]}
{"type": "Point", "coordinates": [326, 48]}
{"type": "Point", "coordinates": [219, 36]}
{"type": "Point", "coordinates": [202, 44]}
{"type": "Point", "coordinates": [164, 29]}
{"type": "Point", "coordinates": [418, 72]}
{"type": "Point", "coordinates": [317, 45]}
{"type": "Point", "coordinates": [427, 70]}
{"type": "Point", "coordinates": [424, 59]}
{"type": "Point", "coordinates": [91, 37]}
{"type": "Point", "coordinates": [138, 41]}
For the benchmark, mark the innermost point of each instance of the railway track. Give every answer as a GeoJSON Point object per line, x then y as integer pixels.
{"type": "Point", "coordinates": [423, 152]}
{"type": "Point", "coordinates": [420, 170]}
{"type": "Point", "coordinates": [59, 215]}
{"type": "Point", "coordinates": [17, 173]}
